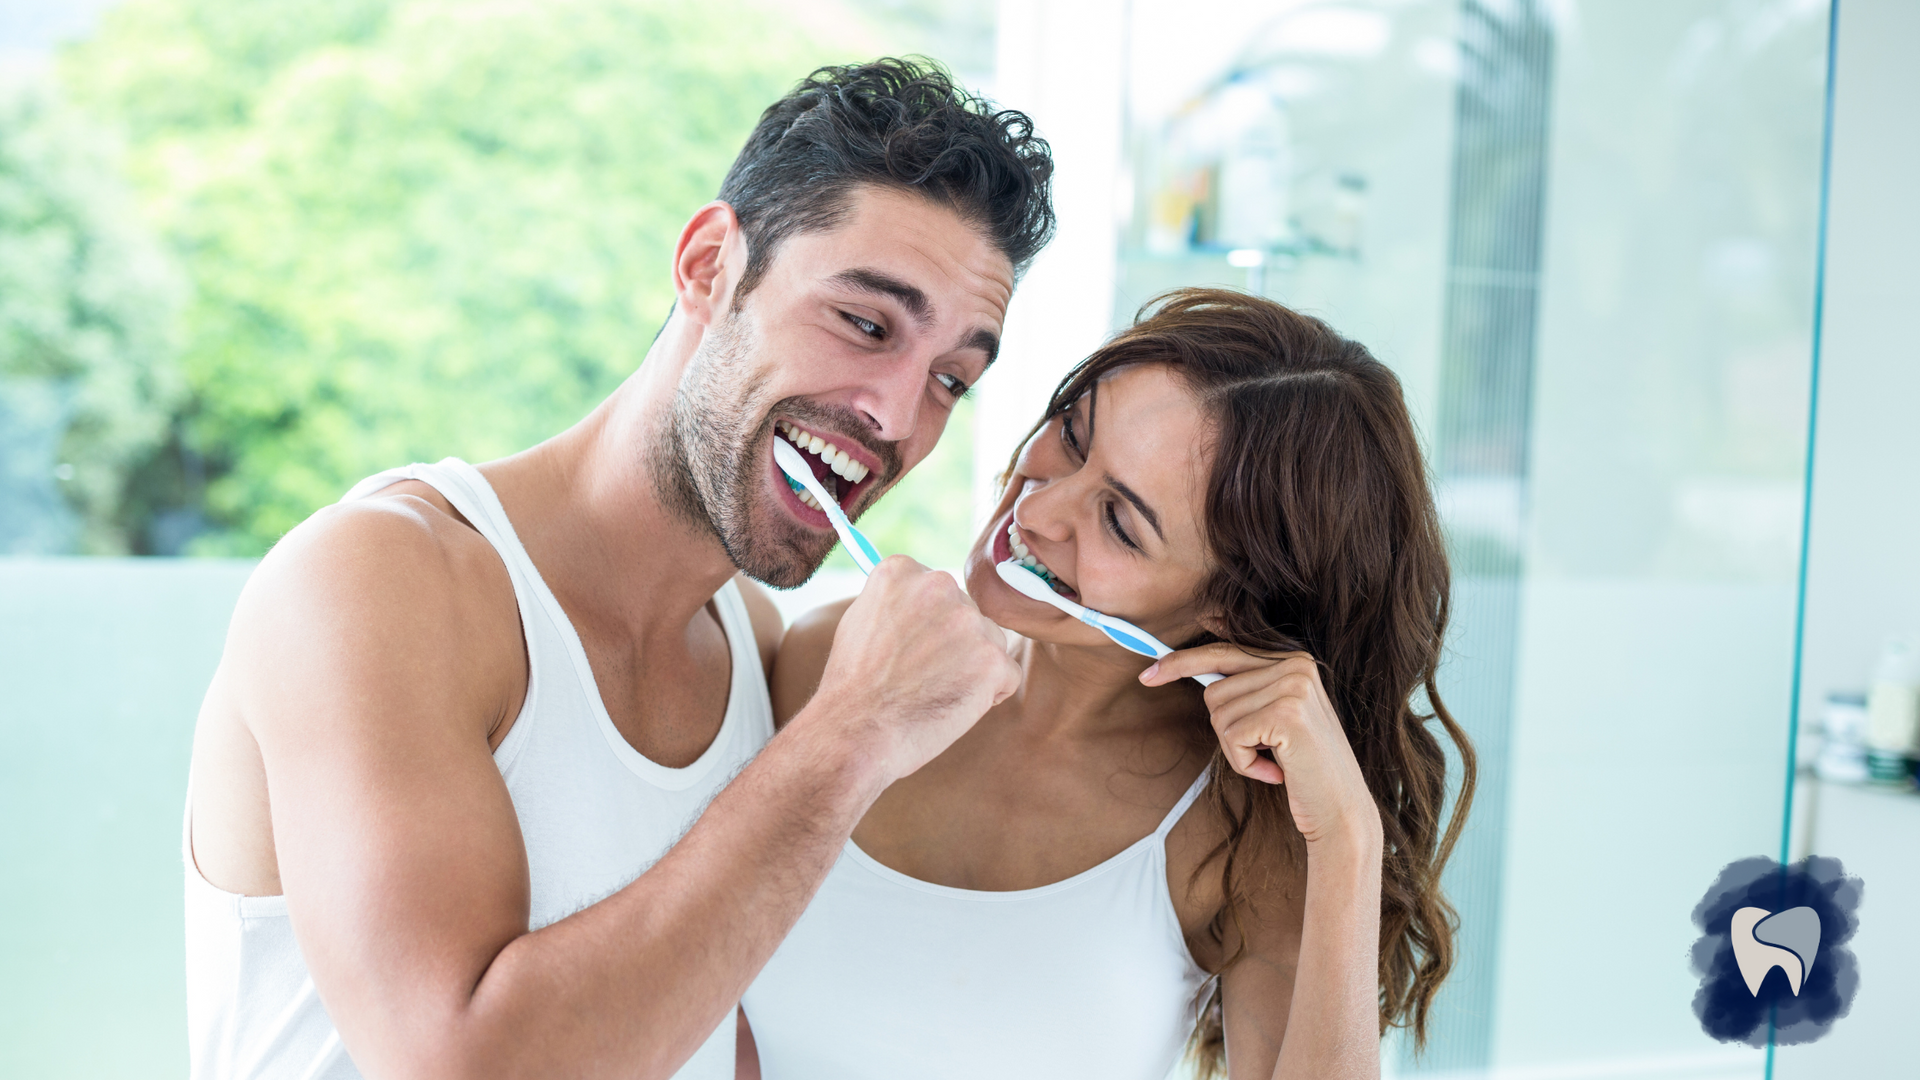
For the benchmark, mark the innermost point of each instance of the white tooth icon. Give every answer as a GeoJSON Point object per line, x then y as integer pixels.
{"type": "Point", "coordinates": [1763, 941]}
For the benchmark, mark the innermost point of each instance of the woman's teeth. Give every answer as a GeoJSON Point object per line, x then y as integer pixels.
{"type": "Point", "coordinates": [1025, 558]}
{"type": "Point", "coordinates": [839, 462]}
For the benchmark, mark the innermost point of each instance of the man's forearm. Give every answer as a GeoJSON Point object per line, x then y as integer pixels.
{"type": "Point", "coordinates": [633, 985]}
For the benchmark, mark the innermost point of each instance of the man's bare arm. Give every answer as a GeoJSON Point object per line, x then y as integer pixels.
{"type": "Point", "coordinates": [400, 855]}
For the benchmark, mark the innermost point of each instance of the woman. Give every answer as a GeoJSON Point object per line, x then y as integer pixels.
{"type": "Point", "coordinates": [1110, 851]}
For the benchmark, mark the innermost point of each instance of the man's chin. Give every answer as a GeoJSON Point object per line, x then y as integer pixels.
{"type": "Point", "coordinates": [783, 565]}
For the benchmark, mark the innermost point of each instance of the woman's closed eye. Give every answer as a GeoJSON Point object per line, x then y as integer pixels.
{"type": "Point", "coordinates": [1113, 526]}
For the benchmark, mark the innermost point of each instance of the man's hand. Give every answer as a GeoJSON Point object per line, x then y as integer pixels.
{"type": "Point", "coordinates": [914, 665]}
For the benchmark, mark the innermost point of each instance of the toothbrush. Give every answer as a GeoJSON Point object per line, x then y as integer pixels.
{"type": "Point", "coordinates": [800, 478]}
{"type": "Point", "coordinates": [1123, 633]}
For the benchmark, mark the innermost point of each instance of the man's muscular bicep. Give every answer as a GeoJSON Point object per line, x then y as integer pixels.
{"type": "Point", "coordinates": [370, 657]}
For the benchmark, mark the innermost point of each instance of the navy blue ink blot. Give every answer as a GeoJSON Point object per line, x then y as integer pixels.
{"type": "Point", "coordinates": [1786, 935]}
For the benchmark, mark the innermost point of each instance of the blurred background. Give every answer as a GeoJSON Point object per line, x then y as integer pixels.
{"type": "Point", "coordinates": [1641, 265]}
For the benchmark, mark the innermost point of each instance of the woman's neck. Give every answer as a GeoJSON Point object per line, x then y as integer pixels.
{"type": "Point", "coordinates": [1073, 691]}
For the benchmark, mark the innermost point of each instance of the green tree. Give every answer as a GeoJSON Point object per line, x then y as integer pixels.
{"type": "Point", "coordinates": [87, 304]}
{"type": "Point", "coordinates": [415, 229]}
{"type": "Point", "coordinates": [427, 227]}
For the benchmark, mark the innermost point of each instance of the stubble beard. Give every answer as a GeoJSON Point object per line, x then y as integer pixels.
{"type": "Point", "coordinates": [708, 462]}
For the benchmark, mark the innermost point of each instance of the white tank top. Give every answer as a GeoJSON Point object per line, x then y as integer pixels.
{"type": "Point", "coordinates": [594, 813]}
{"type": "Point", "coordinates": [887, 976]}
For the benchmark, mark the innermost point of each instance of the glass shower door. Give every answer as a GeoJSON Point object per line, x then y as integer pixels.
{"type": "Point", "coordinates": [1584, 234]}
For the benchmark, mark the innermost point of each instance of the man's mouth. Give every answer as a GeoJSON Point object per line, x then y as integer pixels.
{"type": "Point", "coordinates": [841, 473]}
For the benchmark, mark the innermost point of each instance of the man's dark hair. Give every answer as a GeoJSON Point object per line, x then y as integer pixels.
{"type": "Point", "coordinates": [893, 123]}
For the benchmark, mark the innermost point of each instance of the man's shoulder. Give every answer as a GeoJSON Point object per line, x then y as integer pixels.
{"type": "Point", "coordinates": [406, 540]}
{"type": "Point", "coordinates": [395, 577]}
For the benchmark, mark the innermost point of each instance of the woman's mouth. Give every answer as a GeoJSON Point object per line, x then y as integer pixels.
{"type": "Point", "coordinates": [836, 470]}
{"type": "Point", "coordinates": [1020, 553]}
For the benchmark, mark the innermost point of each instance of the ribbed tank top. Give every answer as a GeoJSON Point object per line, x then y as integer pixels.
{"type": "Point", "coordinates": [887, 976]}
{"type": "Point", "coordinates": [594, 814]}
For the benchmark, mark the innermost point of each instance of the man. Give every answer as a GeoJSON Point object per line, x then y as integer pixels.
{"type": "Point", "coordinates": [441, 777]}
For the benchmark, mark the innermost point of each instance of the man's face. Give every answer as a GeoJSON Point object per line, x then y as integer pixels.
{"type": "Point", "coordinates": [854, 346]}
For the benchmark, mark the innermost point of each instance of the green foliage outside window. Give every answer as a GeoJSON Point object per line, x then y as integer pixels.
{"type": "Point", "coordinates": [416, 228]}
{"type": "Point", "coordinates": [87, 297]}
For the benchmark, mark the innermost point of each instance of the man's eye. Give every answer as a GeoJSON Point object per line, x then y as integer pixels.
{"type": "Point", "coordinates": [865, 326]}
{"type": "Point", "coordinates": [953, 384]}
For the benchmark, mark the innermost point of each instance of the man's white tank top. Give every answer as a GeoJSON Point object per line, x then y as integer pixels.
{"type": "Point", "coordinates": [887, 976]}
{"type": "Point", "coordinates": [594, 813]}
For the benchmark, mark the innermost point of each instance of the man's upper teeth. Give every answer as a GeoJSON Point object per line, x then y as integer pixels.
{"type": "Point", "coordinates": [838, 460]}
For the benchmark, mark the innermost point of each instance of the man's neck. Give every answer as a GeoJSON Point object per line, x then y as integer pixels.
{"type": "Point", "coordinates": [586, 506]}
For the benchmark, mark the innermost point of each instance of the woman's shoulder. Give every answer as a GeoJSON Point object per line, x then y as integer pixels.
{"type": "Point", "coordinates": [1269, 860]}
{"type": "Point", "coordinates": [802, 657]}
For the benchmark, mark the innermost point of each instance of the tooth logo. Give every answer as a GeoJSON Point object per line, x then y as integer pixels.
{"type": "Point", "coordinates": [1764, 940]}
{"type": "Point", "coordinates": [1760, 914]}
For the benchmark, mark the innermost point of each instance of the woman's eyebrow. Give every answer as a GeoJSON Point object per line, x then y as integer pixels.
{"type": "Point", "coordinates": [1139, 504]}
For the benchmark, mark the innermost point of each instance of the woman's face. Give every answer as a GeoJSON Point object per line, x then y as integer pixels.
{"type": "Point", "coordinates": [1108, 498]}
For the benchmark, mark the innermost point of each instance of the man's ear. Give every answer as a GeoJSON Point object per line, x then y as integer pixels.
{"type": "Point", "coordinates": [707, 262]}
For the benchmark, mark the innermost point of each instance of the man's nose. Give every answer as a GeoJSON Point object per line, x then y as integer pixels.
{"type": "Point", "coordinates": [890, 401]}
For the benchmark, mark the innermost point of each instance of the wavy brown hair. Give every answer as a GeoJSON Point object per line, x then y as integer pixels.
{"type": "Point", "coordinates": [1324, 537]}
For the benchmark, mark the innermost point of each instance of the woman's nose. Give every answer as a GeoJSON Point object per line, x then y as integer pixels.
{"type": "Point", "coordinates": [1045, 510]}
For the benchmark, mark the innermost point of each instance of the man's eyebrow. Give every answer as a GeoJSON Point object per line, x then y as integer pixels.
{"type": "Point", "coordinates": [986, 341]}
{"type": "Point", "coordinates": [1139, 504]}
{"type": "Point", "coordinates": [861, 279]}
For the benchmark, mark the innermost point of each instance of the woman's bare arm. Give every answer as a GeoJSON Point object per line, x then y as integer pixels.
{"type": "Point", "coordinates": [1301, 1004]}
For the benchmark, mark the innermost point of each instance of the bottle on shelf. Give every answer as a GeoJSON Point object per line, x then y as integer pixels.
{"type": "Point", "coordinates": [1893, 712]}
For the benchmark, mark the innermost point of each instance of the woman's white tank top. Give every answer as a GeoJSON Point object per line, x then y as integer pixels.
{"type": "Point", "coordinates": [887, 976]}
{"type": "Point", "coordinates": [594, 814]}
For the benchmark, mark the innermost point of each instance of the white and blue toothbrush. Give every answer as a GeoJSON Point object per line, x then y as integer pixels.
{"type": "Point", "coordinates": [800, 478]}
{"type": "Point", "coordinates": [1123, 633]}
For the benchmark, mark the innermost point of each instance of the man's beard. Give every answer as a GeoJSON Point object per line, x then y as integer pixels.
{"type": "Point", "coordinates": [709, 462]}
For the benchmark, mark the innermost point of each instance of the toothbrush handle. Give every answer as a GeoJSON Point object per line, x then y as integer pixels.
{"type": "Point", "coordinates": [1209, 678]}
{"type": "Point", "coordinates": [857, 544]}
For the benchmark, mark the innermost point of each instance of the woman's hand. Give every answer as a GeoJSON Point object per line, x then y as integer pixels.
{"type": "Point", "coordinates": [1279, 704]}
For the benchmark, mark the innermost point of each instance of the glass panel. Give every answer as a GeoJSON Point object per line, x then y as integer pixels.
{"type": "Point", "coordinates": [1862, 599]}
{"type": "Point", "coordinates": [1584, 235]}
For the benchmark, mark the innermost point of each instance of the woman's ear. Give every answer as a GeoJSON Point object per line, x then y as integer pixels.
{"type": "Point", "coordinates": [1215, 624]}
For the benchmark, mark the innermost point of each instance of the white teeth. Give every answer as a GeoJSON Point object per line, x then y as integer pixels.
{"type": "Point", "coordinates": [1026, 558]}
{"type": "Point", "coordinates": [837, 460]}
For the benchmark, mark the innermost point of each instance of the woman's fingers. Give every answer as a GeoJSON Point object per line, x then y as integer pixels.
{"type": "Point", "coordinates": [1219, 656]}
{"type": "Point", "coordinates": [1241, 745]}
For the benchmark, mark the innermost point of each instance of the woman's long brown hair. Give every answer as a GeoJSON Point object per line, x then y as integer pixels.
{"type": "Point", "coordinates": [1325, 540]}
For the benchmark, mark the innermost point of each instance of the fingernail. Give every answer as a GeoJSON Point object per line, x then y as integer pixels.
{"type": "Point", "coordinates": [1152, 670]}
